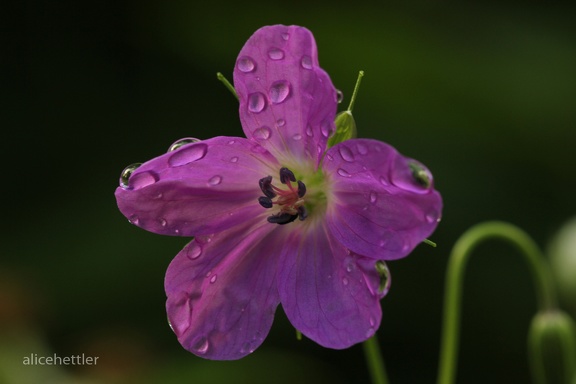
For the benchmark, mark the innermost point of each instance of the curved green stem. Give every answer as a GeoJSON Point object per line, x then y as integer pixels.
{"type": "Point", "coordinates": [227, 84]}
{"type": "Point", "coordinates": [455, 275]}
{"type": "Point", "coordinates": [375, 361]}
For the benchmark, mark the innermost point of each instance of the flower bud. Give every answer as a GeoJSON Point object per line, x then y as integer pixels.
{"type": "Point", "coordinates": [562, 254]}
{"type": "Point", "coordinates": [552, 348]}
{"type": "Point", "coordinates": [345, 128]}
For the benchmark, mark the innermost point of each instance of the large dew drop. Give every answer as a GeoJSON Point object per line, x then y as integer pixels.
{"type": "Point", "coordinates": [246, 64]}
{"type": "Point", "coordinates": [182, 142]}
{"type": "Point", "coordinates": [188, 155]}
{"type": "Point", "coordinates": [194, 251]}
{"type": "Point", "coordinates": [126, 173]}
{"type": "Point", "coordinates": [326, 128]}
{"type": "Point", "coordinates": [346, 153]}
{"type": "Point", "coordinates": [344, 173]}
{"type": "Point", "coordinates": [411, 175]}
{"type": "Point", "coordinates": [384, 274]}
{"type": "Point", "coordinates": [201, 346]}
{"type": "Point", "coordinates": [279, 91]}
{"type": "Point", "coordinates": [262, 133]}
{"type": "Point", "coordinates": [144, 179]}
{"type": "Point", "coordinates": [256, 102]}
{"type": "Point", "coordinates": [306, 62]}
{"type": "Point", "coordinates": [215, 180]}
{"type": "Point", "coordinates": [276, 54]}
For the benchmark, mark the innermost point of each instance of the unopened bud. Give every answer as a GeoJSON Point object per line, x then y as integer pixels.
{"type": "Point", "coordinates": [345, 128]}
{"type": "Point", "coordinates": [562, 254]}
{"type": "Point", "coordinates": [552, 348]}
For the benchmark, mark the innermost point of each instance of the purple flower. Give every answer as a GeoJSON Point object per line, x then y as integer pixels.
{"type": "Point", "coordinates": [277, 217]}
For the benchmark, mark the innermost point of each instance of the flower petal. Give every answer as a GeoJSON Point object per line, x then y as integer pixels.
{"type": "Point", "coordinates": [198, 189]}
{"type": "Point", "coordinates": [328, 293]}
{"type": "Point", "coordinates": [222, 291]}
{"type": "Point", "coordinates": [287, 102]}
{"type": "Point", "coordinates": [383, 204]}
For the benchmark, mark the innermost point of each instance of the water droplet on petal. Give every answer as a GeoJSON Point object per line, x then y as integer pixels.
{"type": "Point", "coordinates": [213, 279]}
{"type": "Point", "coordinates": [188, 154]}
{"type": "Point", "coordinates": [144, 179]}
{"type": "Point", "coordinates": [163, 222]}
{"type": "Point", "coordinates": [432, 217]}
{"type": "Point", "coordinates": [326, 128]}
{"type": "Point", "coordinates": [344, 173]}
{"type": "Point", "coordinates": [345, 281]}
{"type": "Point", "coordinates": [276, 54]}
{"type": "Point", "coordinates": [411, 175]}
{"type": "Point", "coordinates": [234, 159]}
{"type": "Point", "coordinates": [126, 173]}
{"type": "Point", "coordinates": [362, 149]}
{"type": "Point", "coordinates": [246, 64]}
{"type": "Point", "coordinates": [280, 122]}
{"type": "Point", "coordinates": [349, 264]}
{"type": "Point", "coordinates": [256, 102]}
{"type": "Point", "coordinates": [346, 153]}
{"type": "Point", "coordinates": [231, 142]}
{"type": "Point", "coordinates": [384, 181]}
{"type": "Point", "coordinates": [180, 143]}
{"type": "Point", "coordinates": [262, 133]}
{"type": "Point", "coordinates": [133, 220]}
{"type": "Point", "coordinates": [285, 36]}
{"type": "Point", "coordinates": [279, 91]}
{"type": "Point", "coordinates": [297, 136]}
{"type": "Point", "coordinates": [215, 180]}
{"type": "Point", "coordinates": [373, 197]}
{"type": "Point", "coordinates": [194, 251]}
{"type": "Point", "coordinates": [201, 346]}
{"type": "Point", "coordinates": [370, 332]}
{"type": "Point", "coordinates": [306, 62]}
{"type": "Point", "coordinates": [309, 131]}
{"type": "Point", "coordinates": [372, 321]}
{"type": "Point", "coordinates": [384, 274]}
{"type": "Point", "coordinates": [339, 96]}
{"type": "Point", "coordinates": [329, 157]}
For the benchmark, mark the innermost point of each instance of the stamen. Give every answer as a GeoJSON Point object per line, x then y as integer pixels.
{"type": "Point", "coordinates": [287, 201]}
{"type": "Point", "coordinates": [265, 201]}
{"type": "Point", "coordinates": [301, 189]}
{"type": "Point", "coordinates": [286, 175]}
{"type": "Point", "coordinates": [266, 186]}
{"type": "Point", "coordinates": [302, 213]}
{"type": "Point", "coordinates": [282, 218]}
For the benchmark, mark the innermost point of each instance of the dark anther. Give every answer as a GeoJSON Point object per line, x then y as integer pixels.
{"type": "Point", "coordinates": [266, 186]}
{"type": "Point", "coordinates": [282, 218]}
{"type": "Point", "coordinates": [286, 175]}
{"type": "Point", "coordinates": [301, 189]}
{"type": "Point", "coordinates": [302, 213]}
{"type": "Point", "coordinates": [265, 201]}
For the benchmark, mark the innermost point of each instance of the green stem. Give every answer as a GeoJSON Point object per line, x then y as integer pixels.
{"type": "Point", "coordinates": [355, 92]}
{"type": "Point", "coordinates": [455, 276]}
{"type": "Point", "coordinates": [375, 361]}
{"type": "Point", "coordinates": [227, 84]}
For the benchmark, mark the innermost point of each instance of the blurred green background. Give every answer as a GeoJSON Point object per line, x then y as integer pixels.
{"type": "Point", "coordinates": [483, 93]}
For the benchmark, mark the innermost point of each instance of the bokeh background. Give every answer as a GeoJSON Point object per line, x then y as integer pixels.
{"type": "Point", "coordinates": [483, 93]}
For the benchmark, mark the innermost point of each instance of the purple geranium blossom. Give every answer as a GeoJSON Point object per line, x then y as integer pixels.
{"type": "Point", "coordinates": [277, 216]}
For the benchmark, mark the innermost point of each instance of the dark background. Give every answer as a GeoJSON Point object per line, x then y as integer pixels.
{"type": "Point", "coordinates": [483, 94]}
